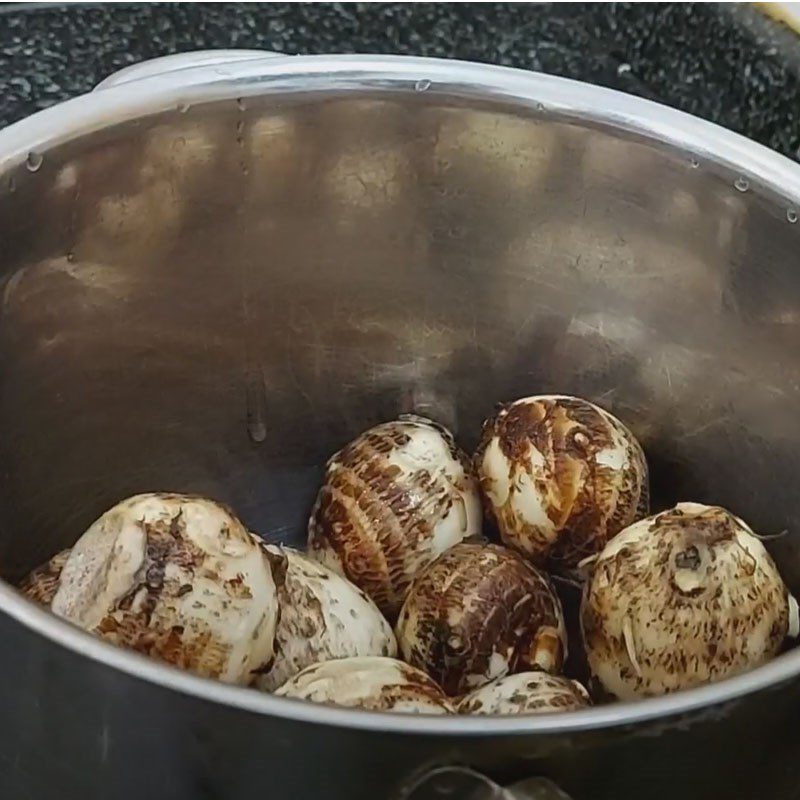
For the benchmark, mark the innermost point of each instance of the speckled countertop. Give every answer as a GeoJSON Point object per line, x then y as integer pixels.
{"type": "Point", "coordinates": [726, 63]}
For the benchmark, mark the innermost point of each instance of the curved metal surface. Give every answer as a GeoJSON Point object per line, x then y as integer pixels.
{"type": "Point", "coordinates": [183, 61]}
{"type": "Point", "coordinates": [467, 784]}
{"type": "Point", "coordinates": [239, 272]}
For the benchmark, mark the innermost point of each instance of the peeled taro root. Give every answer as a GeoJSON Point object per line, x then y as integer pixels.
{"type": "Point", "coordinates": [526, 693]}
{"type": "Point", "coordinates": [478, 613]}
{"type": "Point", "coordinates": [561, 477]}
{"type": "Point", "coordinates": [178, 578]}
{"type": "Point", "coordinates": [374, 684]}
{"type": "Point", "coordinates": [686, 597]}
{"type": "Point", "coordinates": [393, 500]}
{"type": "Point", "coordinates": [41, 585]}
{"type": "Point", "coordinates": [322, 616]}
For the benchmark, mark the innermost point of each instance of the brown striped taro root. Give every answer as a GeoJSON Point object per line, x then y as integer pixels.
{"type": "Point", "coordinates": [480, 612]}
{"type": "Point", "coordinates": [178, 578]}
{"type": "Point", "coordinates": [374, 684]}
{"type": "Point", "coordinates": [561, 477]}
{"type": "Point", "coordinates": [393, 500]}
{"type": "Point", "coordinates": [526, 693]}
{"type": "Point", "coordinates": [322, 616]}
{"type": "Point", "coordinates": [41, 585]}
{"type": "Point", "coordinates": [686, 597]}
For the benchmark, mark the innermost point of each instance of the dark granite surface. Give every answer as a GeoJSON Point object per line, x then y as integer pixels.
{"type": "Point", "coordinates": [725, 63]}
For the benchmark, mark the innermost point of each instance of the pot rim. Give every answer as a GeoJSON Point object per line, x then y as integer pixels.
{"type": "Point", "coordinates": [704, 141]}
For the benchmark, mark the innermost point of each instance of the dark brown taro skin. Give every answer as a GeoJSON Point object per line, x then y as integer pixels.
{"type": "Point", "coordinates": [587, 470]}
{"type": "Point", "coordinates": [480, 612]}
{"type": "Point", "coordinates": [686, 597]}
{"type": "Point", "coordinates": [208, 609]}
{"type": "Point", "coordinates": [41, 585]}
{"type": "Point", "coordinates": [382, 516]}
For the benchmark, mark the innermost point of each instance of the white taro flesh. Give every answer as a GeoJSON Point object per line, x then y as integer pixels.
{"type": "Point", "coordinates": [373, 684]}
{"type": "Point", "coordinates": [526, 693]}
{"type": "Point", "coordinates": [392, 501]}
{"type": "Point", "coordinates": [561, 477]}
{"type": "Point", "coordinates": [322, 616]}
{"type": "Point", "coordinates": [480, 612]}
{"type": "Point", "coordinates": [177, 578]}
{"type": "Point", "coordinates": [686, 597]}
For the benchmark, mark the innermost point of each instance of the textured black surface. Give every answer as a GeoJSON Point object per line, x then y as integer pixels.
{"type": "Point", "coordinates": [724, 63]}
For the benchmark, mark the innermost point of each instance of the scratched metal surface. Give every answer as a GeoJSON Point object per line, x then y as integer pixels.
{"type": "Point", "coordinates": [219, 299]}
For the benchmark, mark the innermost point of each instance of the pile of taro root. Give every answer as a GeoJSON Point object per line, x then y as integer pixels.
{"type": "Point", "coordinates": [401, 601]}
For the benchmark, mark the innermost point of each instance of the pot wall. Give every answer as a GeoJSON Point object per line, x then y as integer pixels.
{"type": "Point", "coordinates": [84, 731]}
{"type": "Point", "coordinates": [210, 282]}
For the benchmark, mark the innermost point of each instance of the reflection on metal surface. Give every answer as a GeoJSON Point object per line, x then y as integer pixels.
{"type": "Point", "coordinates": [181, 61]}
{"type": "Point", "coordinates": [536, 789]}
{"type": "Point", "coordinates": [458, 783]}
{"type": "Point", "coordinates": [462, 783]}
{"type": "Point", "coordinates": [195, 296]}
{"type": "Point", "coordinates": [416, 248]}
{"type": "Point", "coordinates": [213, 306]}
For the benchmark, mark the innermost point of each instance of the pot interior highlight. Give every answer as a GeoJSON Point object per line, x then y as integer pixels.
{"type": "Point", "coordinates": [216, 298]}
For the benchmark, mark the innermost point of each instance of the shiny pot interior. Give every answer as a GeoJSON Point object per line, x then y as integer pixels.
{"type": "Point", "coordinates": [209, 283]}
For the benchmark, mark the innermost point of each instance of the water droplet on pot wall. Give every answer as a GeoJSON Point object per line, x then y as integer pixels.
{"type": "Point", "coordinates": [34, 161]}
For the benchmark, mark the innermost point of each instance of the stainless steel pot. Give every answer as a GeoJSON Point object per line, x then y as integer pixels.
{"type": "Point", "coordinates": [215, 272]}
